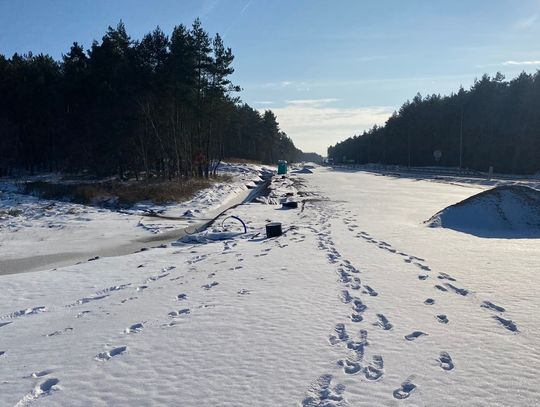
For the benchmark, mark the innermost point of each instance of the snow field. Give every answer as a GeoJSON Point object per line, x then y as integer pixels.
{"type": "Point", "coordinates": [358, 304]}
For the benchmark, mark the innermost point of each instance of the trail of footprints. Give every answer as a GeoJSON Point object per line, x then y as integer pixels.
{"type": "Point", "coordinates": [354, 363]}
{"type": "Point", "coordinates": [447, 282]}
{"type": "Point", "coordinates": [322, 392]}
{"type": "Point", "coordinates": [49, 385]}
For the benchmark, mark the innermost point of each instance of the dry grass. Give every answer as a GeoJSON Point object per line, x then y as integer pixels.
{"type": "Point", "coordinates": [241, 161]}
{"type": "Point", "coordinates": [124, 193]}
{"type": "Point", "coordinates": [10, 212]}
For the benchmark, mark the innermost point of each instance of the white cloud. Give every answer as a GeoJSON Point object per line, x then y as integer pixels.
{"type": "Point", "coordinates": [314, 126]}
{"type": "Point", "coordinates": [311, 102]}
{"type": "Point", "coordinates": [280, 84]}
{"type": "Point", "coordinates": [535, 62]}
{"type": "Point", "coordinates": [264, 102]}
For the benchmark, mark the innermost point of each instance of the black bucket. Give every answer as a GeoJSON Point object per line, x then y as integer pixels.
{"type": "Point", "coordinates": [289, 205]}
{"type": "Point", "coordinates": [273, 229]}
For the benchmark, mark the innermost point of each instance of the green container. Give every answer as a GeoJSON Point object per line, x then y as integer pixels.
{"type": "Point", "coordinates": [282, 167]}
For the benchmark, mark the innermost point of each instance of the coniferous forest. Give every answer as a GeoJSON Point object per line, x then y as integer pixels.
{"type": "Point", "coordinates": [162, 106]}
{"type": "Point", "coordinates": [494, 123]}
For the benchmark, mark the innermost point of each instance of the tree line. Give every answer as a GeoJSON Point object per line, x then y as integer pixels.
{"type": "Point", "coordinates": [162, 106]}
{"type": "Point", "coordinates": [496, 123]}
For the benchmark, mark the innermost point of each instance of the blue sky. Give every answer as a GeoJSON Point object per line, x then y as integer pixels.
{"type": "Point", "coordinates": [329, 69]}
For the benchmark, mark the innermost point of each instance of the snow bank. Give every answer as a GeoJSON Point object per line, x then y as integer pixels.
{"type": "Point", "coordinates": [304, 170]}
{"type": "Point", "coordinates": [504, 211]}
{"type": "Point", "coordinates": [39, 233]}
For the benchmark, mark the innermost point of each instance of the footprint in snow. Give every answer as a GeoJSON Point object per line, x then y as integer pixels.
{"type": "Point", "coordinates": [86, 300]}
{"type": "Point", "coordinates": [358, 346]}
{"type": "Point", "coordinates": [42, 373]}
{"type": "Point", "coordinates": [445, 361]}
{"type": "Point", "coordinates": [104, 356]}
{"type": "Point", "coordinates": [407, 387]}
{"type": "Point", "coordinates": [25, 312]}
{"type": "Point", "coordinates": [383, 322]}
{"type": "Point", "coordinates": [440, 287]}
{"type": "Point", "coordinates": [321, 394]}
{"type": "Point", "coordinates": [422, 266]}
{"type": "Point", "coordinates": [457, 290]}
{"type": "Point", "coordinates": [134, 328]}
{"type": "Point", "coordinates": [340, 336]}
{"type": "Point", "coordinates": [210, 285]}
{"type": "Point", "coordinates": [184, 311]}
{"type": "Point", "coordinates": [414, 335]}
{"type": "Point", "coordinates": [344, 277]}
{"type": "Point", "coordinates": [429, 301]}
{"type": "Point", "coordinates": [357, 318]}
{"type": "Point", "coordinates": [374, 370]}
{"type": "Point", "coordinates": [422, 277]}
{"type": "Point", "coordinates": [370, 291]}
{"type": "Point", "coordinates": [112, 289]}
{"type": "Point", "coordinates": [443, 319]}
{"type": "Point", "coordinates": [486, 304]}
{"type": "Point", "coordinates": [350, 366]}
{"type": "Point", "coordinates": [46, 387]}
{"type": "Point", "coordinates": [181, 297]}
{"type": "Point", "coordinates": [507, 323]}
{"type": "Point", "coordinates": [56, 333]}
{"type": "Point", "coordinates": [359, 306]}
{"type": "Point", "coordinates": [345, 297]}
{"type": "Point", "coordinates": [444, 276]}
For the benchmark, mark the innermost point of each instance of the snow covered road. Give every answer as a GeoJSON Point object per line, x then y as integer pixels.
{"type": "Point", "coordinates": [358, 303]}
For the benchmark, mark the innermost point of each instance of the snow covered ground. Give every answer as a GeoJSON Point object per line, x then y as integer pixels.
{"type": "Point", "coordinates": [61, 233]}
{"type": "Point", "coordinates": [359, 303]}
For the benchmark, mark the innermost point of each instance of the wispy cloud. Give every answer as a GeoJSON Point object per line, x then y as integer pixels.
{"type": "Point", "coordinates": [207, 7]}
{"type": "Point", "coordinates": [314, 125]}
{"type": "Point", "coordinates": [245, 7]}
{"type": "Point", "coordinates": [278, 84]}
{"type": "Point", "coordinates": [263, 102]}
{"type": "Point", "coordinates": [311, 102]}
{"type": "Point", "coordinates": [237, 18]}
{"type": "Point", "coordinates": [528, 22]}
{"type": "Point", "coordinates": [534, 62]}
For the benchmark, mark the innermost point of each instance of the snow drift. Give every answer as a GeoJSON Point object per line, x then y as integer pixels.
{"type": "Point", "coordinates": [304, 170]}
{"type": "Point", "coordinates": [507, 211]}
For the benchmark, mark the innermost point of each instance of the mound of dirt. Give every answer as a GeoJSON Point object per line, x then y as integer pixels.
{"type": "Point", "coordinates": [507, 211]}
